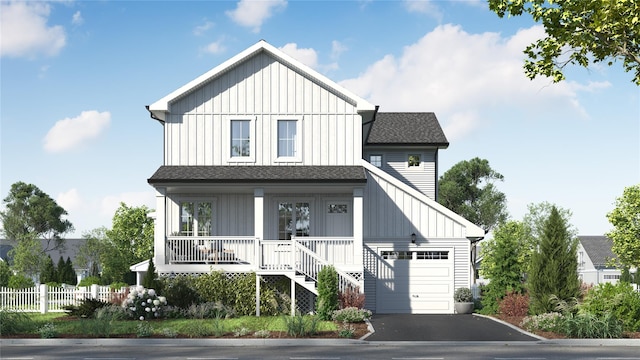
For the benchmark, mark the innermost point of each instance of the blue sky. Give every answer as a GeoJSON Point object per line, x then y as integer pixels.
{"type": "Point", "coordinates": [76, 76]}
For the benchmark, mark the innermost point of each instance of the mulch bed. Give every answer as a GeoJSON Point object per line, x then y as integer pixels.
{"type": "Point", "coordinates": [516, 320]}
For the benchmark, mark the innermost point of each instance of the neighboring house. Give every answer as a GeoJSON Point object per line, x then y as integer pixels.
{"type": "Point", "coordinates": [270, 167]}
{"type": "Point", "coordinates": [594, 253]}
{"type": "Point", "coordinates": [69, 250]}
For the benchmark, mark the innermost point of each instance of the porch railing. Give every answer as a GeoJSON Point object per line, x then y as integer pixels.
{"type": "Point", "coordinates": [210, 250]}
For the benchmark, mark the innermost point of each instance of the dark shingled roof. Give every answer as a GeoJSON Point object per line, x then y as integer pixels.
{"type": "Point", "coordinates": [407, 128]}
{"type": "Point", "coordinates": [598, 249]}
{"type": "Point", "coordinates": [258, 174]}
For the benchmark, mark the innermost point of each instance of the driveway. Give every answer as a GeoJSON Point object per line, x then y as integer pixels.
{"type": "Point", "coordinates": [406, 327]}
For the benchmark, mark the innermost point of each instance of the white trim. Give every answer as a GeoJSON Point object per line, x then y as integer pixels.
{"type": "Point", "coordinates": [160, 108]}
{"type": "Point", "coordinates": [252, 140]}
{"type": "Point", "coordinates": [195, 200]}
{"type": "Point", "coordinates": [299, 137]}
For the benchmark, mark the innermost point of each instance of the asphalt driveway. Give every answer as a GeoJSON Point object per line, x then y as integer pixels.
{"type": "Point", "coordinates": [406, 327]}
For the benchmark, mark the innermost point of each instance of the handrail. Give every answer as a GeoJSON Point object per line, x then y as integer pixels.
{"type": "Point", "coordinates": [311, 270]}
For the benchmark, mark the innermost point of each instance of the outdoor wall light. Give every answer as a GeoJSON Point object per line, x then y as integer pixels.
{"type": "Point", "coordinates": [413, 238]}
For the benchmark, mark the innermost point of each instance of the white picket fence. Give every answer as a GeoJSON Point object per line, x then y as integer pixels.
{"type": "Point", "coordinates": [45, 299]}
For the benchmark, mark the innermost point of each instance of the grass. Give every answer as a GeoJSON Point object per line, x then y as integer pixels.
{"type": "Point", "coordinates": [66, 326]}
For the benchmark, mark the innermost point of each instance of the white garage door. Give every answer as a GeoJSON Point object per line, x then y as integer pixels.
{"type": "Point", "coordinates": [415, 281]}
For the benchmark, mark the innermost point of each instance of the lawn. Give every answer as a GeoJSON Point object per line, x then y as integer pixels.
{"type": "Point", "coordinates": [60, 325]}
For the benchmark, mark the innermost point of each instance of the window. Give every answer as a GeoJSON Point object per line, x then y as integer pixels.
{"type": "Point", "coordinates": [293, 217]}
{"type": "Point", "coordinates": [414, 160]}
{"type": "Point", "coordinates": [287, 134]}
{"type": "Point", "coordinates": [240, 138]}
{"type": "Point", "coordinates": [612, 277]}
{"type": "Point", "coordinates": [397, 255]}
{"type": "Point", "coordinates": [337, 208]}
{"type": "Point", "coordinates": [196, 215]}
{"type": "Point", "coordinates": [375, 160]}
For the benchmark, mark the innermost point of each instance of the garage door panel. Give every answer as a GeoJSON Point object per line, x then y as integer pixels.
{"type": "Point", "coordinates": [416, 284]}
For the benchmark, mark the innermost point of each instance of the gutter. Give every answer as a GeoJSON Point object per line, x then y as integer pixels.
{"type": "Point", "coordinates": [153, 116]}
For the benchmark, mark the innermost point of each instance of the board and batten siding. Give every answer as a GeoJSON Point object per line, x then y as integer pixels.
{"type": "Point", "coordinates": [233, 213]}
{"type": "Point", "coordinates": [264, 90]}
{"type": "Point", "coordinates": [421, 178]}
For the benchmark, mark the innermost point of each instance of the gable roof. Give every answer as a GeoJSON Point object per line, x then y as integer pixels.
{"type": "Point", "coordinates": [258, 174]}
{"type": "Point", "coordinates": [598, 248]}
{"type": "Point", "coordinates": [159, 108]}
{"type": "Point", "coordinates": [407, 128]}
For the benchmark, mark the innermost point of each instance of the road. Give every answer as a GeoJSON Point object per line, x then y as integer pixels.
{"type": "Point", "coordinates": [369, 351]}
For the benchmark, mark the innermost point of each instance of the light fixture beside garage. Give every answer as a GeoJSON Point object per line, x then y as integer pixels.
{"type": "Point", "coordinates": [413, 238]}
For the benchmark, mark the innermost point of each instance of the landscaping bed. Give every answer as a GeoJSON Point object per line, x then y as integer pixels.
{"type": "Point", "coordinates": [517, 321]}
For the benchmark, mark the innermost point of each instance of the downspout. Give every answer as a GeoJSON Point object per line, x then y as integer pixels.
{"type": "Point", "coordinates": [366, 138]}
{"type": "Point", "coordinates": [473, 255]}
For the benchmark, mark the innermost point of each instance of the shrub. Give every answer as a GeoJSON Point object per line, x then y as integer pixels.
{"type": "Point", "coordinates": [346, 331]}
{"type": "Point", "coordinates": [111, 312]}
{"type": "Point", "coordinates": [180, 291]}
{"type": "Point", "coordinates": [208, 310]}
{"type": "Point", "coordinates": [351, 297]}
{"type": "Point", "coordinates": [48, 331]}
{"type": "Point", "coordinates": [242, 295]}
{"type": "Point", "coordinates": [590, 326]}
{"type": "Point", "coordinates": [301, 326]}
{"type": "Point", "coordinates": [86, 309]}
{"type": "Point", "coordinates": [542, 322]}
{"type": "Point", "coordinates": [144, 304]}
{"type": "Point", "coordinates": [150, 280]}
{"type": "Point", "coordinates": [90, 280]}
{"type": "Point", "coordinates": [262, 334]}
{"type": "Point", "coordinates": [620, 300]}
{"type": "Point", "coordinates": [117, 285]}
{"type": "Point", "coordinates": [14, 322]}
{"type": "Point", "coordinates": [213, 287]}
{"type": "Point", "coordinates": [351, 315]}
{"type": "Point", "coordinates": [327, 292]}
{"type": "Point", "coordinates": [463, 294]}
{"type": "Point", "coordinates": [20, 281]}
{"type": "Point", "coordinates": [143, 329]}
{"type": "Point", "coordinates": [514, 304]}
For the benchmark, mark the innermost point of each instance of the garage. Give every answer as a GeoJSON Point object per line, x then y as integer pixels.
{"type": "Point", "coordinates": [416, 281]}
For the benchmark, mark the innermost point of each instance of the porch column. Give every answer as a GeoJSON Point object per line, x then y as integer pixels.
{"type": "Point", "coordinates": [159, 230]}
{"type": "Point", "coordinates": [358, 225]}
{"type": "Point", "coordinates": [258, 224]}
{"type": "Point", "coordinates": [257, 295]}
{"type": "Point", "coordinates": [293, 297]}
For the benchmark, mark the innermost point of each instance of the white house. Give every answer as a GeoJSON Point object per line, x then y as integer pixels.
{"type": "Point", "coordinates": [594, 254]}
{"type": "Point", "coordinates": [270, 167]}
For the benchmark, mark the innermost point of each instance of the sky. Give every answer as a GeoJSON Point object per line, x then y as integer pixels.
{"type": "Point", "coordinates": [75, 77]}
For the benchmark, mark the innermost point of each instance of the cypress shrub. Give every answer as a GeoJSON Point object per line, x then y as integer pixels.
{"type": "Point", "coordinates": [327, 301]}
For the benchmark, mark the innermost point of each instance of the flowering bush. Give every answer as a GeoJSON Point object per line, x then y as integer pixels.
{"type": "Point", "coordinates": [542, 322]}
{"type": "Point", "coordinates": [143, 304]}
{"type": "Point", "coordinates": [351, 315]}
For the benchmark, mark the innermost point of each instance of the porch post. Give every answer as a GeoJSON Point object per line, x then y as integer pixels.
{"type": "Point", "coordinates": [258, 223]}
{"type": "Point", "coordinates": [159, 230]}
{"type": "Point", "coordinates": [293, 297]}
{"type": "Point", "coordinates": [257, 295]}
{"type": "Point", "coordinates": [358, 225]}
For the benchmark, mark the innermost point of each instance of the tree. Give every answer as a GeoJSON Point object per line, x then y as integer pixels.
{"type": "Point", "coordinates": [579, 32]}
{"type": "Point", "coordinates": [5, 273]}
{"type": "Point", "coordinates": [28, 256]}
{"type": "Point", "coordinates": [502, 263]}
{"type": "Point", "coordinates": [30, 213]}
{"type": "Point", "coordinates": [48, 273]}
{"type": "Point", "coordinates": [468, 190]}
{"type": "Point", "coordinates": [130, 241]}
{"type": "Point", "coordinates": [150, 280]}
{"type": "Point", "coordinates": [554, 265]}
{"type": "Point", "coordinates": [626, 232]}
{"type": "Point", "coordinates": [92, 252]}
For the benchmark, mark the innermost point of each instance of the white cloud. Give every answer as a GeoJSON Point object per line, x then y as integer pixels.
{"type": "Point", "coordinates": [308, 57]}
{"type": "Point", "coordinates": [459, 76]}
{"type": "Point", "coordinates": [111, 203]}
{"type": "Point", "coordinates": [70, 200]}
{"type": "Point", "coordinates": [251, 13]}
{"type": "Point", "coordinates": [201, 29]}
{"type": "Point", "coordinates": [71, 132]}
{"type": "Point", "coordinates": [423, 7]}
{"type": "Point", "coordinates": [77, 18]}
{"type": "Point", "coordinates": [337, 48]}
{"type": "Point", "coordinates": [25, 32]}
{"type": "Point", "coordinates": [214, 48]}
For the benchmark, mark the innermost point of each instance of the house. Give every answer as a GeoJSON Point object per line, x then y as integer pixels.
{"type": "Point", "coordinates": [270, 167]}
{"type": "Point", "coordinates": [594, 254]}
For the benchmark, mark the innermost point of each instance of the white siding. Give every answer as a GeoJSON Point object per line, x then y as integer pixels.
{"type": "Point", "coordinates": [262, 89]}
{"type": "Point", "coordinates": [422, 178]}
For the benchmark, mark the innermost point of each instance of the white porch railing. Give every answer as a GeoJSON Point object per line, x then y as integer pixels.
{"type": "Point", "coordinates": [45, 299]}
{"type": "Point", "coordinates": [210, 250]}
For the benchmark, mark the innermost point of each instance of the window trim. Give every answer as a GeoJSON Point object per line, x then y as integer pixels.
{"type": "Point", "coordinates": [252, 140]}
{"type": "Point", "coordinates": [294, 200]}
{"type": "Point", "coordinates": [381, 160]}
{"type": "Point", "coordinates": [298, 141]}
{"type": "Point", "coordinates": [196, 201]}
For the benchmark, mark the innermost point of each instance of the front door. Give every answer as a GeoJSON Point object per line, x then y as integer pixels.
{"type": "Point", "coordinates": [294, 218]}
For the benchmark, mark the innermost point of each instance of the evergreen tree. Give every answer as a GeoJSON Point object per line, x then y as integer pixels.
{"type": "Point", "coordinates": [502, 264]}
{"type": "Point", "coordinates": [94, 270]}
{"type": "Point", "coordinates": [60, 276]}
{"type": "Point", "coordinates": [70, 273]}
{"type": "Point", "coordinates": [625, 275]}
{"type": "Point", "coordinates": [5, 273]}
{"type": "Point", "coordinates": [48, 273]}
{"type": "Point", "coordinates": [150, 280]}
{"type": "Point", "coordinates": [554, 265]}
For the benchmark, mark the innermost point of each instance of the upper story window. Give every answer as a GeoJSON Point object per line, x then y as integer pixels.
{"type": "Point", "coordinates": [375, 160]}
{"type": "Point", "coordinates": [287, 138]}
{"type": "Point", "coordinates": [414, 160]}
{"type": "Point", "coordinates": [240, 138]}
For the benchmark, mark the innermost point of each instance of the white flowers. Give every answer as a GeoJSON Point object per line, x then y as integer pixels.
{"type": "Point", "coordinates": [142, 303]}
